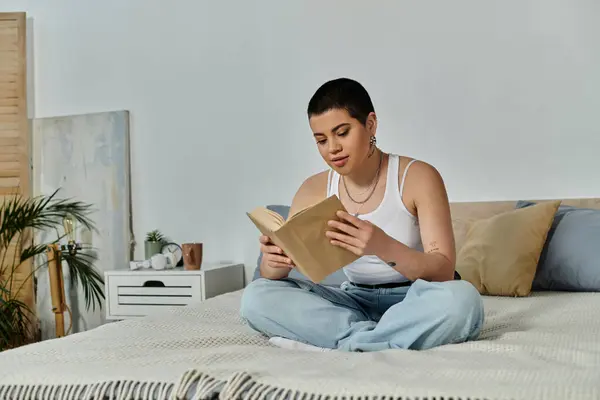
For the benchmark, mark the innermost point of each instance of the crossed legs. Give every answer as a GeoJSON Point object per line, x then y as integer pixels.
{"type": "Point", "coordinates": [422, 316]}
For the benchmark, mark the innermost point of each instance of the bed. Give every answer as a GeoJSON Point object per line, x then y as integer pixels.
{"type": "Point", "coordinates": [542, 346]}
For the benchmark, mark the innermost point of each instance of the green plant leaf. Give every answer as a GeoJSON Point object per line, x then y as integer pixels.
{"type": "Point", "coordinates": [32, 251]}
{"type": "Point", "coordinates": [81, 268]}
{"type": "Point", "coordinates": [14, 324]}
{"type": "Point", "coordinates": [44, 212]}
{"type": "Point", "coordinates": [155, 236]}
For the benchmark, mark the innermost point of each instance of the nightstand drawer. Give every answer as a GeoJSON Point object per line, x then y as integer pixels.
{"type": "Point", "coordinates": [136, 295]}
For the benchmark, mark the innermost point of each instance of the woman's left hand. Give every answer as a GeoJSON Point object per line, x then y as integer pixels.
{"type": "Point", "coordinates": [360, 237]}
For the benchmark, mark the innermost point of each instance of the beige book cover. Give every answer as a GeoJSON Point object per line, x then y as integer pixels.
{"type": "Point", "coordinates": [302, 237]}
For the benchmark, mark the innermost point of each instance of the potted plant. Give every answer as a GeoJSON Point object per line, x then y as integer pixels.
{"type": "Point", "coordinates": [21, 218]}
{"type": "Point", "coordinates": [153, 244]}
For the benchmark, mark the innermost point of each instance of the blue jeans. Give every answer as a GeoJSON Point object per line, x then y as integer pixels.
{"type": "Point", "coordinates": [350, 318]}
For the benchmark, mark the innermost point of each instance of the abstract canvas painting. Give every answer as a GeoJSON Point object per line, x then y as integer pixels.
{"type": "Point", "coordinates": [86, 157]}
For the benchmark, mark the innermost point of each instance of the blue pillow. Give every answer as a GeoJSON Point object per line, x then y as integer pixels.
{"type": "Point", "coordinates": [335, 279]}
{"type": "Point", "coordinates": [570, 259]}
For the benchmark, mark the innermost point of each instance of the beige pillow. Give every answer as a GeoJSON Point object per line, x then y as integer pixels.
{"type": "Point", "coordinates": [500, 254]}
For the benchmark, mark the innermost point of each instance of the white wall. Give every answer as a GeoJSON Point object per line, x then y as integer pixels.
{"type": "Point", "coordinates": [501, 96]}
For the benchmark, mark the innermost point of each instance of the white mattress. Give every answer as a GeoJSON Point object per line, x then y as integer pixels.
{"type": "Point", "coordinates": [546, 346]}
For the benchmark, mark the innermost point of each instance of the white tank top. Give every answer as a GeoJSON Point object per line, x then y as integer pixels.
{"type": "Point", "coordinates": [393, 218]}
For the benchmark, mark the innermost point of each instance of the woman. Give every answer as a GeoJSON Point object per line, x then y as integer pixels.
{"type": "Point", "coordinates": [401, 292]}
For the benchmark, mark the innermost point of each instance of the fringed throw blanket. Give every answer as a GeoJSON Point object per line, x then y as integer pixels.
{"type": "Point", "coordinates": [543, 347]}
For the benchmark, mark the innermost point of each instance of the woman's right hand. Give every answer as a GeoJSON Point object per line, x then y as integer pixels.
{"type": "Point", "coordinates": [274, 256]}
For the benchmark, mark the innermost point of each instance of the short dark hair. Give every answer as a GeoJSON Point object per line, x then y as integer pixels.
{"type": "Point", "coordinates": [342, 93]}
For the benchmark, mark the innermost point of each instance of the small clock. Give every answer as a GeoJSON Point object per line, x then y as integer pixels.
{"type": "Point", "coordinates": [175, 249]}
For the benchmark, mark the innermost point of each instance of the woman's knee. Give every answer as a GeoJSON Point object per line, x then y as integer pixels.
{"type": "Point", "coordinates": [465, 308]}
{"type": "Point", "coordinates": [258, 299]}
{"type": "Point", "coordinates": [459, 304]}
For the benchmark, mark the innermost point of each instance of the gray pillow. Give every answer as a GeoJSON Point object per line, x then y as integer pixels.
{"type": "Point", "coordinates": [335, 279]}
{"type": "Point", "coordinates": [570, 259]}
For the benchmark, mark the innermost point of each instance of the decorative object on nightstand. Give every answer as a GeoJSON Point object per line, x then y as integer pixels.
{"type": "Point", "coordinates": [157, 262]}
{"type": "Point", "coordinates": [169, 257]}
{"type": "Point", "coordinates": [145, 292]}
{"type": "Point", "coordinates": [153, 243]}
{"type": "Point", "coordinates": [173, 252]}
{"type": "Point", "coordinates": [192, 256]}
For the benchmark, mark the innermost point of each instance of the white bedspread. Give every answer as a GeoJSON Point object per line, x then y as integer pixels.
{"type": "Point", "coordinates": [543, 347]}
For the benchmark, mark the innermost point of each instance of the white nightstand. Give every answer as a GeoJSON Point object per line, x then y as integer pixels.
{"type": "Point", "coordinates": [138, 293]}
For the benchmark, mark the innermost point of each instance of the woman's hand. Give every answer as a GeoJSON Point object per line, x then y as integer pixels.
{"type": "Point", "coordinates": [273, 256]}
{"type": "Point", "coordinates": [360, 237]}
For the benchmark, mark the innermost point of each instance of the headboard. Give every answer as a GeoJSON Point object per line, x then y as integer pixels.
{"type": "Point", "coordinates": [465, 212]}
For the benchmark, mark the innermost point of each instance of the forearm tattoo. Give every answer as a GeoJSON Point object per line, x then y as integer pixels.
{"type": "Point", "coordinates": [434, 247]}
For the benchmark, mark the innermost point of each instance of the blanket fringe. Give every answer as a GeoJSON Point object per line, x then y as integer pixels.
{"type": "Point", "coordinates": [205, 386]}
{"type": "Point", "coordinates": [240, 386]}
{"type": "Point", "coordinates": [113, 390]}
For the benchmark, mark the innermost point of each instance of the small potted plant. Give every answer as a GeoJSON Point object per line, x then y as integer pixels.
{"type": "Point", "coordinates": [153, 244]}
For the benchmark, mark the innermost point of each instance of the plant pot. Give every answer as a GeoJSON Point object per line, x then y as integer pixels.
{"type": "Point", "coordinates": [151, 248]}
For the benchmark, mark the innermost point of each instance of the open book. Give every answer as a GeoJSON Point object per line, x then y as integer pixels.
{"type": "Point", "coordinates": [302, 237]}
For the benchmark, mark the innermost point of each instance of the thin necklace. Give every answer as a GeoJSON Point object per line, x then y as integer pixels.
{"type": "Point", "coordinates": [373, 184]}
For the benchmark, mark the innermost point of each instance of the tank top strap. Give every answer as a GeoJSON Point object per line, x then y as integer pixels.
{"type": "Point", "coordinates": [331, 187]}
{"type": "Point", "coordinates": [404, 176]}
{"type": "Point", "coordinates": [392, 173]}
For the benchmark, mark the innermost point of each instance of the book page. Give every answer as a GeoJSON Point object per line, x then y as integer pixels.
{"type": "Point", "coordinates": [266, 220]}
{"type": "Point", "coordinates": [302, 210]}
{"type": "Point", "coordinates": [294, 215]}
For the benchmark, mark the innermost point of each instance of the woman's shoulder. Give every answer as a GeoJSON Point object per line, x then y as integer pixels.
{"type": "Point", "coordinates": [417, 167]}
{"type": "Point", "coordinates": [315, 186]}
{"type": "Point", "coordinates": [419, 179]}
{"type": "Point", "coordinates": [311, 191]}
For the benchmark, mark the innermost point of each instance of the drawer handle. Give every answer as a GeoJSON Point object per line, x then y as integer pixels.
{"type": "Point", "coordinates": [153, 284]}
